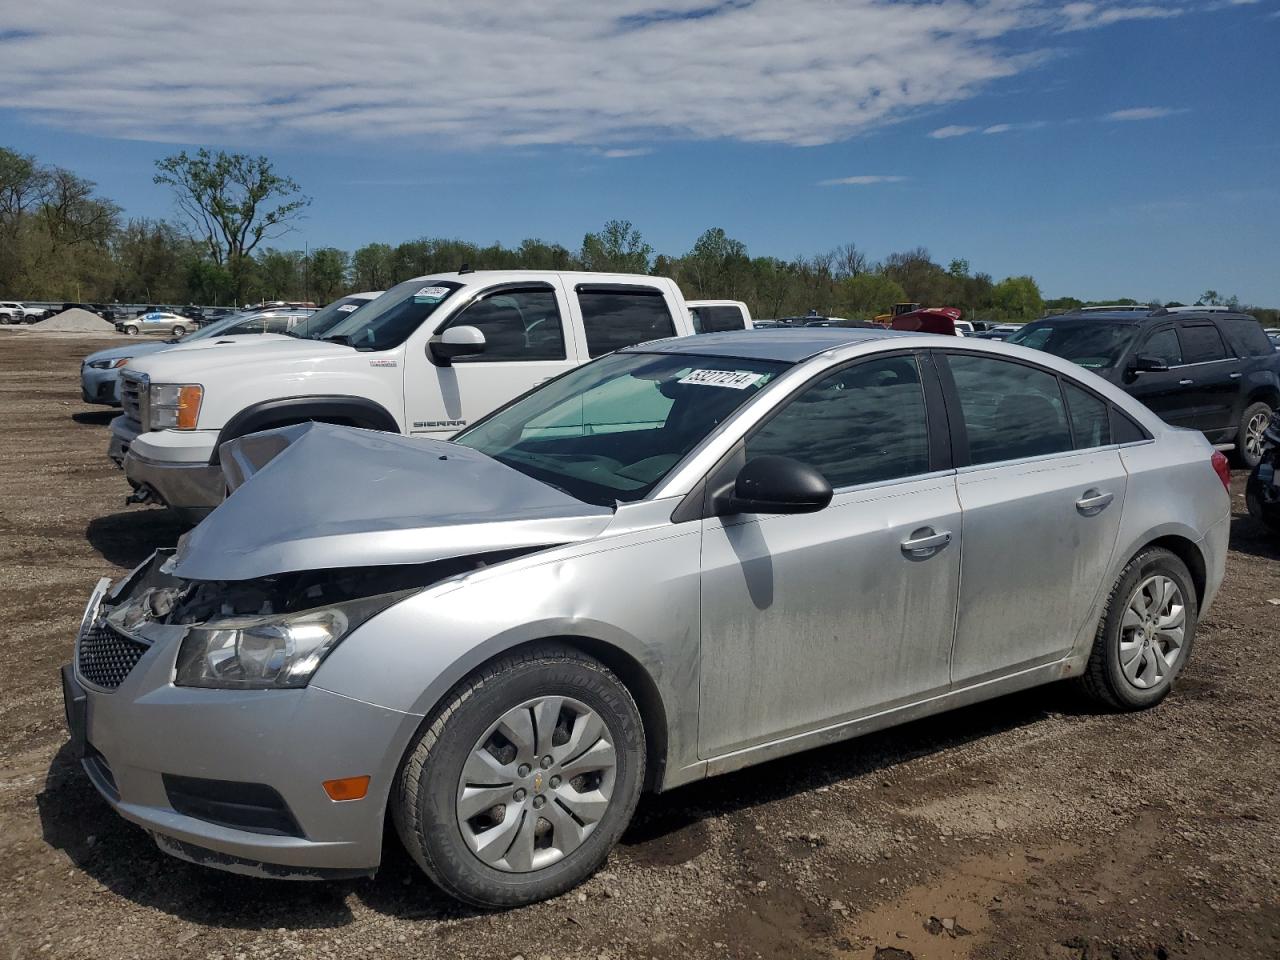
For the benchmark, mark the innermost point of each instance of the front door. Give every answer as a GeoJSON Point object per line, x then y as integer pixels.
{"type": "Point", "coordinates": [1170, 394]}
{"type": "Point", "coordinates": [813, 619]}
{"type": "Point", "coordinates": [527, 341]}
{"type": "Point", "coordinates": [1042, 496]}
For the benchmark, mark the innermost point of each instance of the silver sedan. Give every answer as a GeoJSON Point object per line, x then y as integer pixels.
{"type": "Point", "coordinates": [157, 321]}
{"type": "Point", "coordinates": [682, 559]}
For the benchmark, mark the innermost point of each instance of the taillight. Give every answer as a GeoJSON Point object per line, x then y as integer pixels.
{"type": "Point", "coordinates": [1222, 468]}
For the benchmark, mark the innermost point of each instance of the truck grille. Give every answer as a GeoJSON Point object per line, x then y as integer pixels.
{"type": "Point", "coordinates": [133, 398]}
{"type": "Point", "coordinates": [105, 656]}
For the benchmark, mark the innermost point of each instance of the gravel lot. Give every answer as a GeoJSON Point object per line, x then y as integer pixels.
{"type": "Point", "coordinates": [1026, 827]}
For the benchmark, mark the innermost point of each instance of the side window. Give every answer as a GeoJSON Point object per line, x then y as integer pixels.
{"type": "Point", "coordinates": [1090, 417]}
{"type": "Point", "coordinates": [1163, 345]}
{"type": "Point", "coordinates": [615, 318]}
{"type": "Point", "coordinates": [1201, 343]}
{"type": "Point", "coordinates": [1010, 410]}
{"type": "Point", "coordinates": [252, 325]}
{"type": "Point", "coordinates": [863, 424]}
{"type": "Point", "coordinates": [1247, 337]}
{"type": "Point", "coordinates": [517, 325]}
{"type": "Point", "coordinates": [716, 319]}
{"type": "Point", "coordinates": [276, 323]}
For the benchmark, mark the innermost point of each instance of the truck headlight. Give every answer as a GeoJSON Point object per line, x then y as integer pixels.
{"type": "Point", "coordinates": [175, 405]}
{"type": "Point", "coordinates": [278, 651]}
{"type": "Point", "coordinates": [110, 364]}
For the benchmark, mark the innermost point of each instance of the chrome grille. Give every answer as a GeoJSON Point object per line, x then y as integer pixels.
{"type": "Point", "coordinates": [105, 656]}
{"type": "Point", "coordinates": [133, 398]}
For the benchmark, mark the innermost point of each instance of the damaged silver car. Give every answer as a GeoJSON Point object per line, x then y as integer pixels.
{"type": "Point", "coordinates": [681, 559]}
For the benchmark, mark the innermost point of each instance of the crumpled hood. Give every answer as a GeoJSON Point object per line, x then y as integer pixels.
{"type": "Point", "coordinates": [343, 497]}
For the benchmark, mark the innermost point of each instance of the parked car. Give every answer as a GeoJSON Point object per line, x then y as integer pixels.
{"type": "Point", "coordinates": [158, 321]}
{"type": "Point", "coordinates": [1262, 491]}
{"type": "Point", "coordinates": [999, 331]}
{"type": "Point", "coordinates": [684, 558]}
{"type": "Point", "coordinates": [428, 357]}
{"type": "Point", "coordinates": [13, 312]}
{"type": "Point", "coordinates": [719, 316]}
{"type": "Point", "coordinates": [1210, 370]}
{"type": "Point", "coordinates": [100, 372]}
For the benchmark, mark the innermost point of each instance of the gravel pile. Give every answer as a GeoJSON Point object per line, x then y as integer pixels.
{"type": "Point", "coordinates": [75, 320]}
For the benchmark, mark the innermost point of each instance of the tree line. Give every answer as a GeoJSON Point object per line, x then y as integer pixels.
{"type": "Point", "coordinates": [61, 240]}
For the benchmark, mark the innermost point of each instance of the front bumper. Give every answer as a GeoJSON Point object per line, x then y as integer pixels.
{"type": "Point", "coordinates": [133, 741]}
{"type": "Point", "coordinates": [100, 386]}
{"type": "Point", "coordinates": [174, 470]}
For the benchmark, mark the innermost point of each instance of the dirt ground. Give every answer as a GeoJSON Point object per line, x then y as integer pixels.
{"type": "Point", "coordinates": [1023, 828]}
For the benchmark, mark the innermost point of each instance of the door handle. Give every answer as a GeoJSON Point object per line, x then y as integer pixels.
{"type": "Point", "coordinates": [924, 543]}
{"type": "Point", "coordinates": [1185, 383]}
{"type": "Point", "coordinates": [1237, 375]}
{"type": "Point", "coordinates": [1094, 502]}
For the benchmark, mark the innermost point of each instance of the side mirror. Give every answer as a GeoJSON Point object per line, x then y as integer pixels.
{"type": "Point", "coordinates": [1143, 363]}
{"type": "Point", "coordinates": [456, 342]}
{"type": "Point", "coordinates": [777, 485]}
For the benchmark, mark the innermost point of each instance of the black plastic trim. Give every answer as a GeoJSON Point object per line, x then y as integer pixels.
{"type": "Point", "coordinates": [351, 411]}
{"type": "Point", "coordinates": [643, 289]}
{"type": "Point", "coordinates": [252, 807]}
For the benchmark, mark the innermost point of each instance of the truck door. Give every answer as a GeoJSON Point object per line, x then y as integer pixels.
{"type": "Point", "coordinates": [526, 341]}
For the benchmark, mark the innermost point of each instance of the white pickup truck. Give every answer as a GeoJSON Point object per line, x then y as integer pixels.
{"type": "Point", "coordinates": [426, 358]}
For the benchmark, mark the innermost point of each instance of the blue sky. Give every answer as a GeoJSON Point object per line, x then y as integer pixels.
{"type": "Point", "coordinates": [1108, 149]}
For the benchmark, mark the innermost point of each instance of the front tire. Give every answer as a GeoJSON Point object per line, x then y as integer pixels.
{"type": "Point", "coordinates": [1146, 634]}
{"type": "Point", "coordinates": [1249, 435]}
{"type": "Point", "coordinates": [521, 782]}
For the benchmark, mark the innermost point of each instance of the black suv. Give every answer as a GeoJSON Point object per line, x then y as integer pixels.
{"type": "Point", "coordinates": [1214, 371]}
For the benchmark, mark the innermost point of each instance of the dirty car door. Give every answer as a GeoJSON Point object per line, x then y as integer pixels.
{"type": "Point", "coordinates": [811, 619]}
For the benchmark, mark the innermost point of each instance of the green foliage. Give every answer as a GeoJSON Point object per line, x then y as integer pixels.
{"type": "Point", "coordinates": [618, 248]}
{"type": "Point", "coordinates": [1018, 298]}
{"type": "Point", "coordinates": [868, 295]}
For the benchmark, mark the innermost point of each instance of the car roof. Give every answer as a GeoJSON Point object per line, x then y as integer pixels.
{"type": "Point", "coordinates": [1135, 317]}
{"type": "Point", "coordinates": [787, 346]}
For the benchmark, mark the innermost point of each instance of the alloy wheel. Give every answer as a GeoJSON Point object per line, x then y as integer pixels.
{"type": "Point", "coordinates": [1152, 632]}
{"type": "Point", "coordinates": [1253, 435]}
{"type": "Point", "coordinates": [536, 784]}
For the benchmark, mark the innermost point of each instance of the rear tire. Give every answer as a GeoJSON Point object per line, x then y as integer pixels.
{"type": "Point", "coordinates": [1253, 423]}
{"type": "Point", "coordinates": [1145, 637]}
{"type": "Point", "coordinates": [131, 330]}
{"type": "Point", "coordinates": [179, 331]}
{"type": "Point", "coordinates": [463, 752]}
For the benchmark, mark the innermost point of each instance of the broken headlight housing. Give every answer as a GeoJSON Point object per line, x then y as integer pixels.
{"type": "Point", "coordinates": [269, 652]}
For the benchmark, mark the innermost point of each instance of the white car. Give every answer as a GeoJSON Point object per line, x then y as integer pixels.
{"type": "Point", "coordinates": [13, 312]}
{"type": "Point", "coordinates": [158, 321]}
{"type": "Point", "coordinates": [426, 358]}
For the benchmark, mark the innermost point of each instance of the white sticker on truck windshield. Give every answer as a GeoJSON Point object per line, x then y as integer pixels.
{"type": "Point", "coordinates": [733, 379]}
{"type": "Point", "coordinates": [430, 294]}
{"type": "Point", "coordinates": [348, 307]}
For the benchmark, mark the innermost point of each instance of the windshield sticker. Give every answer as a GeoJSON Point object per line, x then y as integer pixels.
{"type": "Point", "coordinates": [733, 379]}
{"type": "Point", "coordinates": [430, 294]}
{"type": "Point", "coordinates": [348, 307]}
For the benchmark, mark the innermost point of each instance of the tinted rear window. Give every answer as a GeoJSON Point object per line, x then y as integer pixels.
{"type": "Point", "coordinates": [716, 319]}
{"type": "Point", "coordinates": [1201, 343]}
{"type": "Point", "coordinates": [614, 319]}
{"type": "Point", "coordinates": [1247, 337]}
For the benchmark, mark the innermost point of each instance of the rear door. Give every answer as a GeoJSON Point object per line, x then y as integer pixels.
{"type": "Point", "coordinates": [1041, 489]}
{"type": "Point", "coordinates": [1213, 370]}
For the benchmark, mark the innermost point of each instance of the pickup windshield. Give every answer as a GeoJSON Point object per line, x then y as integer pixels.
{"type": "Point", "coordinates": [388, 321]}
{"type": "Point", "coordinates": [1093, 344]}
{"type": "Point", "coordinates": [610, 431]}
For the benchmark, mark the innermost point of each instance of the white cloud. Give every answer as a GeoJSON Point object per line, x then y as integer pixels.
{"type": "Point", "coordinates": [863, 180]}
{"type": "Point", "coordinates": [617, 153]}
{"type": "Point", "coordinates": [943, 133]}
{"type": "Point", "coordinates": [998, 128]}
{"type": "Point", "coordinates": [1141, 113]}
{"type": "Point", "coordinates": [517, 72]}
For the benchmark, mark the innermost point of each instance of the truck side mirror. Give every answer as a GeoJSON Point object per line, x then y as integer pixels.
{"type": "Point", "coordinates": [456, 342]}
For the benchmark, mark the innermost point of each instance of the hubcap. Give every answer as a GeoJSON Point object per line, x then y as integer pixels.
{"type": "Point", "coordinates": [1253, 432]}
{"type": "Point", "coordinates": [536, 784]}
{"type": "Point", "coordinates": [1152, 632]}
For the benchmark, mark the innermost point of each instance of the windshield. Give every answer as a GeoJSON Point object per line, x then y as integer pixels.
{"type": "Point", "coordinates": [611, 430]}
{"type": "Point", "coordinates": [216, 328]}
{"type": "Point", "coordinates": [1093, 344]}
{"type": "Point", "coordinates": [319, 324]}
{"type": "Point", "coordinates": [388, 321]}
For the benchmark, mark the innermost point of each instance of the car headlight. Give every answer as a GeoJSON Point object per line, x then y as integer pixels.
{"type": "Point", "coordinates": [175, 405]}
{"type": "Point", "coordinates": [110, 364]}
{"type": "Point", "coordinates": [273, 652]}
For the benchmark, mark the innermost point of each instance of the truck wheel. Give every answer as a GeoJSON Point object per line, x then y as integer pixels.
{"type": "Point", "coordinates": [1146, 633]}
{"type": "Point", "coordinates": [1253, 424]}
{"type": "Point", "coordinates": [517, 787]}
{"type": "Point", "coordinates": [130, 329]}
